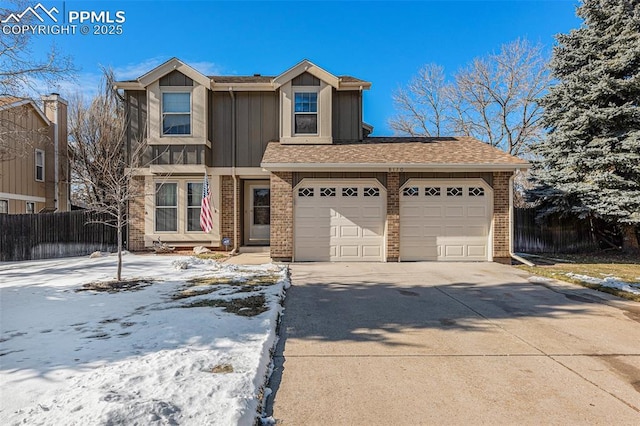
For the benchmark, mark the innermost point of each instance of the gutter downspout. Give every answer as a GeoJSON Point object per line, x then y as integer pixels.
{"type": "Point", "coordinates": [233, 172]}
{"type": "Point", "coordinates": [511, 253]}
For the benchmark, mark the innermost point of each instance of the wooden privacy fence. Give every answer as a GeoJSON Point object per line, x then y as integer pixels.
{"type": "Point", "coordinates": [557, 234]}
{"type": "Point", "coordinates": [52, 235]}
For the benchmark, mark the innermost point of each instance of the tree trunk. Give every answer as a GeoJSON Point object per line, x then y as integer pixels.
{"type": "Point", "coordinates": [119, 274]}
{"type": "Point", "coordinates": [630, 243]}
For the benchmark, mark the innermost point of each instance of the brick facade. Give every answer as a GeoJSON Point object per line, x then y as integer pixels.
{"type": "Point", "coordinates": [393, 217]}
{"type": "Point", "coordinates": [136, 215]}
{"type": "Point", "coordinates": [501, 216]}
{"type": "Point", "coordinates": [226, 210]}
{"type": "Point", "coordinates": [282, 216]}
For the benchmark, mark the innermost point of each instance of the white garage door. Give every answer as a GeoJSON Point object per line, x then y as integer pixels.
{"type": "Point", "coordinates": [339, 220]}
{"type": "Point", "coordinates": [445, 220]}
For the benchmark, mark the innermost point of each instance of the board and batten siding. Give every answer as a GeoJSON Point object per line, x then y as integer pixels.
{"type": "Point", "coordinates": [136, 116]}
{"type": "Point", "coordinates": [346, 115]}
{"type": "Point", "coordinates": [257, 120]}
{"type": "Point", "coordinates": [17, 174]}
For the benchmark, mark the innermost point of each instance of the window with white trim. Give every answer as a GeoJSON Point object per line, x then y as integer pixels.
{"type": "Point", "coordinates": [4, 206]}
{"type": "Point", "coordinates": [31, 207]}
{"type": "Point", "coordinates": [176, 113]}
{"type": "Point", "coordinates": [166, 207]}
{"type": "Point", "coordinates": [305, 113]}
{"type": "Point", "coordinates": [39, 165]}
{"type": "Point", "coordinates": [194, 202]}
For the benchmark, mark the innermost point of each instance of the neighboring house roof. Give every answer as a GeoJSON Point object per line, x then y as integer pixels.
{"type": "Point", "coordinates": [459, 153]}
{"type": "Point", "coordinates": [8, 102]}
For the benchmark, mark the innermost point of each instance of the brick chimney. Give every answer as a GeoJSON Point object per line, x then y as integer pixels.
{"type": "Point", "coordinates": [55, 109]}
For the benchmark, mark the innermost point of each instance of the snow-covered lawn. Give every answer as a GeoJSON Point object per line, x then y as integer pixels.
{"type": "Point", "coordinates": [180, 349]}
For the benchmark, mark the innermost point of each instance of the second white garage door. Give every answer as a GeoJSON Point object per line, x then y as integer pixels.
{"type": "Point", "coordinates": [445, 220]}
{"type": "Point", "coordinates": [339, 220]}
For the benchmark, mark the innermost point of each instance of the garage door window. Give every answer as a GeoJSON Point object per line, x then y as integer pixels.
{"type": "Point", "coordinates": [349, 192]}
{"type": "Point", "coordinates": [454, 192]}
{"type": "Point", "coordinates": [305, 192]}
{"type": "Point", "coordinates": [476, 192]}
{"type": "Point", "coordinates": [371, 192]}
{"type": "Point", "coordinates": [432, 191]}
{"type": "Point", "coordinates": [411, 191]}
{"type": "Point", "coordinates": [327, 192]}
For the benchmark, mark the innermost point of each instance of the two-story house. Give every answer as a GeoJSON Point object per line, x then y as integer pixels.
{"type": "Point", "coordinates": [291, 165]}
{"type": "Point", "coordinates": [34, 161]}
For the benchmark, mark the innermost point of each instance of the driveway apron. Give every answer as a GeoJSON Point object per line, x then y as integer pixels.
{"type": "Point", "coordinates": [451, 343]}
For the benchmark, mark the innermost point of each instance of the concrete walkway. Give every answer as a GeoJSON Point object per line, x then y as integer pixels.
{"type": "Point", "coordinates": [250, 259]}
{"type": "Point", "coordinates": [463, 343]}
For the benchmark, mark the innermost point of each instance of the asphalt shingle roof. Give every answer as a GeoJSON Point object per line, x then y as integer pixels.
{"type": "Point", "coordinates": [393, 150]}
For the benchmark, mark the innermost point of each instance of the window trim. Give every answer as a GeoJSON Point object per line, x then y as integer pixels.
{"type": "Point", "coordinates": [156, 207]}
{"type": "Point", "coordinates": [6, 202]}
{"type": "Point", "coordinates": [305, 89]}
{"type": "Point", "coordinates": [176, 90]}
{"type": "Point", "coordinates": [187, 207]}
{"type": "Point", "coordinates": [26, 206]}
{"type": "Point", "coordinates": [39, 151]}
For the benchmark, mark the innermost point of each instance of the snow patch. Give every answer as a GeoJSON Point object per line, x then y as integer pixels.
{"type": "Point", "coordinates": [612, 282]}
{"type": "Point", "coordinates": [132, 357]}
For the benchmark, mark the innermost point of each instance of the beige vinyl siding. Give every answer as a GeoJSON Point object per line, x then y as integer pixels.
{"type": "Point", "coordinates": [256, 126]}
{"type": "Point", "coordinates": [18, 175]}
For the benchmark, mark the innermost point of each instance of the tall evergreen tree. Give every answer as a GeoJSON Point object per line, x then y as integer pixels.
{"type": "Point", "coordinates": [590, 162]}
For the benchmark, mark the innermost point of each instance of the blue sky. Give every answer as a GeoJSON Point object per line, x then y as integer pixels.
{"type": "Point", "coordinates": [382, 42]}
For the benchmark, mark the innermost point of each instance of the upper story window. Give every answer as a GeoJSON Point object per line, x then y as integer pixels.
{"type": "Point", "coordinates": [39, 165]}
{"type": "Point", "coordinates": [176, 113]}
{"type": "Point", "coordinates": [306, 113]}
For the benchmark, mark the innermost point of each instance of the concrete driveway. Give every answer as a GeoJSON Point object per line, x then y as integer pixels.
{"type": "Point", "coordinates": [456, 343]}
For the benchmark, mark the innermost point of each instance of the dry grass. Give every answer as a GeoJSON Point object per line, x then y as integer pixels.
{"type": "Point", "coordinates": [115, 286]}
{"type": "Point", "coordinates": [212, 255]}
{"type": "Point", "coordinates": [246, 306]}
{"type": "Point", "coordinates": [626, 268]}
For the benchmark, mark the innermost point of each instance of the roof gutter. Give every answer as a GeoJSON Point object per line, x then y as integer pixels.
{"type": "Point", "coordinates": [392, 167]}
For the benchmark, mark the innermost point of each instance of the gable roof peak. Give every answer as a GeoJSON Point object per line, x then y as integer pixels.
{"type": "Point", "coordinates": [306, 66]}
{"type": "Point", "coordinates": [169, 66]}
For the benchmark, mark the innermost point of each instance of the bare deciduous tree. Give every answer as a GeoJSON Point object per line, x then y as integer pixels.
{"type": "Point", "coordinates": [494, 99]}
{"type": "Point", "coordinates": [22, 73]}
{"type": "Point", "coordinates": [423, 104]}
{"type": "Point", "coordinates": [100, 177]}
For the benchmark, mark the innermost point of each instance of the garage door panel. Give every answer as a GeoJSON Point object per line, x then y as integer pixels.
{"type": "Point", "coordinates": [353, 225]}
{"type": "Point", "coordinates": [453, 250]}
{"type": "Point", "coordinates": [476, 211]}
{"type": "Point", "coordinates": [350, 251]}
{"type": "Point", "coordinates": [454, 211]}
{"type": "Point", "coordinates": [454, 231]}
{"type": "Point", "coordinates": [435, 225]}
{"type": "Point", "coordinates": [349, 231]}
{"type": "Point", "coordinates": [432, 211]}
{"type": "Point", "coordinates": [373, 251]}
{"type": "Point", "coordinates": [477, 251]}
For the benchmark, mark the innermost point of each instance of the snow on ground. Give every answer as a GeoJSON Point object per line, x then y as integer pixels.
{"type": "Point", "coordinates": [137, 356]}
{"type": "Point", "coordinates": [611, 282]}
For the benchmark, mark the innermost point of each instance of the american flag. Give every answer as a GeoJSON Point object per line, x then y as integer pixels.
{"type": "Point", "coordinates": [206, 223]}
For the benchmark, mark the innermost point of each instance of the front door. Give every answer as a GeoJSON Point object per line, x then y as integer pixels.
{"type": "Point", "coordinates": [257, 212]}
